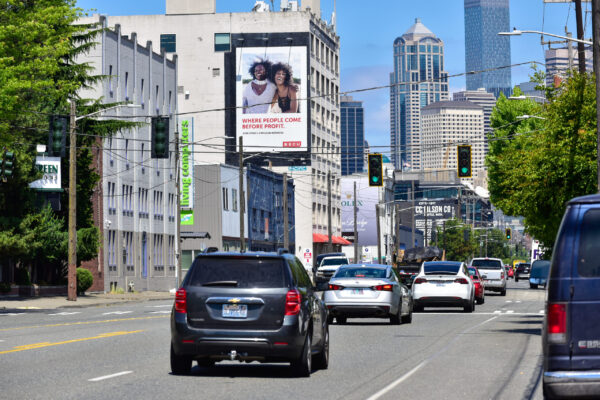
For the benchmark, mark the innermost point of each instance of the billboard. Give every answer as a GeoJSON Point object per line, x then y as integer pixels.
{"type": "Point", "coordinates": [366, 199]}
{"type": "Point", "coordinates": [271, 88]}
{"type": "Point", "coordinates": [429, 214]}
{"type": "Point", "coordinates": [50, 167]}
{"type": "Point", "coordinates": [187, 165]}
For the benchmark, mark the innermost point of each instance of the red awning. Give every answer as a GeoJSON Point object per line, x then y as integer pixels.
{"type": "Point", "coordinates": [320, 238]}
{"type": "Point", "coordinates": [340, 240]}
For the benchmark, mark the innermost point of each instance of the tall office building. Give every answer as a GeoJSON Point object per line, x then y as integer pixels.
{"type": "Point", "coordinates": [485, 100]}
{"type": "Point", "coordinates": [558, 62]}
{"type": "Point", "coordinates": [352, 135]}
{"type": "Point", "coordinates": [484, 48]}
{"type": "Point", "coordinates": [418, 79]}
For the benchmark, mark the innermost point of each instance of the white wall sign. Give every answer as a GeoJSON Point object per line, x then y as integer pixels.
{"type": "Point", "coordinates": [50, 167]}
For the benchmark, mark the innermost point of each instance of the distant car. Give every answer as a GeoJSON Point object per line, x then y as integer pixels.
{"type": "Point", "coordinates": [479, 287]}
{"type": "Point", "coordinates": [495, 275]}
{"type": "Point", "coordinates": [367, 291]}
{"type": "Point", "coordinates": [509, 271]}
{"type": "Point", "coordinates": [539, 273]}
{"type": "Point", "coordinates": [444, 284]}
{"type": "Point", "coordinates": [248, 307]}
{"type": "Point", "coordinates": [328, 266]}
{"type": "Point", "coordinates": [571, 332]}
{"type": "Point", "coordinates": [522, 271]}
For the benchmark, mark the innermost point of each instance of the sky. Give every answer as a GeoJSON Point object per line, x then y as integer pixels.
{"type": "Point", "coordinates": [367, 30]}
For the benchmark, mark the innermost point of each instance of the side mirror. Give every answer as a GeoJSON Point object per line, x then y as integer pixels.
{"type": "Point", "coordinates": [483, 276]}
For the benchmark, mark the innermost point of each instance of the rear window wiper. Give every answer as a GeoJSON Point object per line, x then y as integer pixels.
{"type": "Point", "coordinates": [220, 283]}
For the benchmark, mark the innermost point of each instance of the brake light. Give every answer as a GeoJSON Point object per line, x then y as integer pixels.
{"type": "Point", "coordinates": [385, 288]}
{"type": "Point", "coordinates": [461, 280]}
{"type": "Point", "coordinates": [502, 275]}
{"type": "Point", "coordinates": [181, 301]}
{"type": "Point", "coordinates": [420, 280]}
{"type": "Point", "coordinates": [557, 323]}
{"type": "Point", "coordinates": [292, 302]}
{"type": "Point", "coordinates": [335, 287]}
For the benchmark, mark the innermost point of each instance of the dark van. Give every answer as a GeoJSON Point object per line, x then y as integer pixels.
{"type": "Point", "coordinates": [571, 331]}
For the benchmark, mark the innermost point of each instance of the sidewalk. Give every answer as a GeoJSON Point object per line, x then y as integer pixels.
{"type": "Point", "coordinates": [88, 300]}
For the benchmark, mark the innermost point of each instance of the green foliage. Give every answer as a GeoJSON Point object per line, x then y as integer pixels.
{"type": "Point", "coordinates": [84, 280]}
{"type": "Point", "coordinates": [5, 287]}
{"type": "Point", "coordinates": [117, 290]}
{"type": "Point", "coordinates": [536, 165]}
{"type": "Point", "coordinates": [496, 243]}
{"type": "Point", "coordinates": [88, 242]}
{"type": "Point", "coordinates": [452, 239]}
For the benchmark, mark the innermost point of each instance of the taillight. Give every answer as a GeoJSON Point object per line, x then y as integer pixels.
{"type": "Point", "coordinates": [292, 302]}
{"type": "Point", "coordinates": [557, 323]}
{"type": "Point", "coordinates": [420, 280]}
{"type": "Point", "coordinates": [461, 280]}
{"type": "Point", "coordinates": [180, 301]}
{"type": "Point", "coordinates": [385, 288]}
{"type": "Point", "coordinates": [502, 275]}
{"type": "Point", "coordinates": [335, 287]}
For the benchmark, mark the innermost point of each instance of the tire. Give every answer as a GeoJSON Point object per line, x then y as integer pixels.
{"type": "Point", "coordinates": [180, 365]}
{"type": "Point", "coordinates": [303, 365]}
{"type": "Point", "coordinates": [395, 319]}
{"type": "Point", "coordinates": [533, 286]}
{"type": "Point", "coordinates": [321, 360]}
{"type": "Point", "coordinates": [469, 307]}
{"type": "Point", "coordinates": [407, 319]}
{"type": "Point", "coordinates": [341, 320]}
{"type": "Point", "coordinates": [516, 279]}
{"type": "Point", "coordinates": [503, 292]}
{"type": "Point", "coordinates": [329, 319]}
{"type": "Point", "coordinates": [417, 308]}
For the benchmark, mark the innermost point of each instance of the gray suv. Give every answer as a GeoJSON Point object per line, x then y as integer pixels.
{"type": "Point", "coordinates": [248, 307]}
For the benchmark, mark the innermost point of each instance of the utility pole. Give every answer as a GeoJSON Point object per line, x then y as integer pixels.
{"type": "Point", "coordinates": [596, 47]}
{"type": "Point", "coordinates": [178, 213]}
{"type": "Point", "coordinates": [355, 228]}
{"type": "Point", "coordinates": [580, 48]}
{"type": "Point", "coordinates": [72, 258]}
{"type": "Point", "coordinates": [241, 190]}
{"type": "Point", "coordinates": [412, 195]}
{"type": "Point", "coordinates": [286, 222]}
{"type": "Point", "coordinates": [378, 233]}
{"type": "Point", "coordinates": [329, 245]}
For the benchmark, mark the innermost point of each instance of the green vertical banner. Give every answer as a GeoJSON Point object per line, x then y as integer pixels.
{"type": "Point", "coordinates": [187, 166]}
{"type": "Point", "coordinates": [187, 217]}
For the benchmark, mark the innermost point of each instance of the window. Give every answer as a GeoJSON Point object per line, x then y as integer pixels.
{"type": "Point", "coordinates": [112, 252]}
{"type": "Point", "coordinates": [142, 98]}
{"type": "Point", "coordinates": [156, 105]}
{"type": "Point", "coordinates": [126, 88]}
{"type": "Point", "coordinates": [127, 153]}
{"type": "Point", "coordinates": [168, 42]}
{"type": "Point", "coordinates": [110, 80]}
{"type": "Point", "coordinates": [234, 199]}
{"type": "Point", "coordinates": [588, 263]}
{"type": "Point", "coordinates": [171, 255]}
{"type": "Point", "coordinates": [159, 264]}
{"type": "Point", "coordinates": [225, 199]}
{"type": "Point", "coordinates": [222, 42]}
{"type": "Point", "coordinates": [111, 198]}
{"type": "Point", "coordinates": [128, 250]}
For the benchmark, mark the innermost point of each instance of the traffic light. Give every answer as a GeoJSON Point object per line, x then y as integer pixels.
{"type": "Point", "coordinates": [160, 137]}
{"type": "Point", "coordinates": [57, 136]}
{"type": "Point", "coordinates": [508, 233]}
{"type": "Point", "coordinates": [6, 164]}
{"type": "Point", "coordinates": [463, 153]}
{"type": "Point", "coordinates": [375, 170]}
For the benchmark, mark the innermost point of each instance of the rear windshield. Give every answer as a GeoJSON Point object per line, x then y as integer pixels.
{"type": "Point", "coordinates": [334, 261]}
{"type": "Point", "coordinates": [539, 269]}
{"type": "Point", "coordinates": [238, 272]}
{"type": "Point", "coordinates": [443, 269]}
{"type": "Point", "coordinates": [473, 273]}
{"type": "Point", "coordinates": [487, 264]}
{"type": "Point", "coordinates": [588, 262]}
{"type": "Point", "coordinates": [523, 265]}
{"type": "Point", "coordinates": [360, 273]}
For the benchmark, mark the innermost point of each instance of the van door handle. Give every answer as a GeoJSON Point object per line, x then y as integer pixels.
{"type": "Point", "coordinates": [572, 290]}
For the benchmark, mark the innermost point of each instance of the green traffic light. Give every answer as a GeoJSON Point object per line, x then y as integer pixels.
{"type": "Point", "coordinates": [464, 170]}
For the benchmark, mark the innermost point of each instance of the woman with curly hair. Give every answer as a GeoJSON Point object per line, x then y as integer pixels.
{"type": "Point", "coordinates": [285, 99]}
{"type": "Point", "coordinates": [260, 90]}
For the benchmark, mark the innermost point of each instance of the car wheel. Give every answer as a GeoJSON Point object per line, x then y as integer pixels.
{"type": "Point", "coordinates": [417, 308]}
{"type": "Point", "coordinates": [180, 365]}
{"type": "Point", "coordinates": [533, 286]}
{"type": "Point", "coordinates": [395, 319]}
{"type": "Point", "coordinates": [469, 307]}
{"type": "Point", "coordinates": [341, 320]}
{"type": "Point", "coordinates": [303, 365]}
{"type": "Point", "coordinates": [407, 319]}
{"type": "Point", "coordinates": [503, 292]}
{"type": "Point", "coordinates": [516, 279]}
{"type": "Point", "coordinates": [329, 319]}
{"type": "Point", "coordinates": [322, 359]}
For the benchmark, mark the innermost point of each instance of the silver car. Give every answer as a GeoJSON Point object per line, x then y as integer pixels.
{"type": "Point", "coordinates": [366, 291]}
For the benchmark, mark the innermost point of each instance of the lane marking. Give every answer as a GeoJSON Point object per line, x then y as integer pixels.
{"type": "Point", "coordinates": [101, 378]}
{"type": "Point", "coordinates": [542, 311]}
{"type": "Point", "coordinates": [28, 308]}
{"type": "Point", "coordinates": [67, 313]}
{"type": "Point", "coordinates": [510, 311]}
{"type": "Point", "coordinates": [518, 301]}
{"type": "Point", "coordinates": [509, 301]}
{"type": "Point", "coordinates": [117, 312]}
{"type": "Point", "coordinates": [161, 312]}
{"type": "Point", "coordinates": [13, 313]}
{"type": "Point", "coordinates": [425, 362]}
{"type": "Point", "coordinates": [48, 344]}
{"type": "Point", "coordinates": [497, 312]}
{"type": "Point", "coordinates": [163, 305]}
{"type": "Point", "coordinates": [81, 323]}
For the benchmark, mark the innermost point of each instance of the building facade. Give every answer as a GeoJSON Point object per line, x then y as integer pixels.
{"type": "Point", "coordinates": [559, 61]}
{"type": "Point", "coordinates": [485, 100]}
{"type": "Point", "coordinates": [214, 50]}
{"type": "Point", "coordinates": [447, 124]}
{"type": "Point", "coordinates": [484, 48]}
{"type": "Point", "coordinates": [418, 79]}
{"type": "Point", "coordinates": [136, 200]}
{"type": "Point", "coordinates": [352, 135]}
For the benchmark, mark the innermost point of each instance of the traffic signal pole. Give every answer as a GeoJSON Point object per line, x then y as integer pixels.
{"type": "Point", "coordinates": [72, 258]}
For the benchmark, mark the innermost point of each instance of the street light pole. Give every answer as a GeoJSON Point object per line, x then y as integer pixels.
{"type": "Point", "coordinates": [596, 48]}
{"type": "Point", "coordinates": [241, 194]}
{"type": "Point", "coordinates": [72, 257]}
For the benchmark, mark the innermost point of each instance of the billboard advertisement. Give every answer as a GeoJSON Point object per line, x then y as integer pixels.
{"type": "Point", "coordinates": [271, 88]}
{"type": "Point", "coordinates": [429, 214]}
{"type": "Point", "coordinates": [366, 199]}
{"type": "Point", "coordinates": [187, 165]}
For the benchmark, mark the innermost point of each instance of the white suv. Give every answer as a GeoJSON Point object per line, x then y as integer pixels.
{"type": "Point", "coordinates": [492, 273]}
{"type": "Point", "coordinates": [328, 267]}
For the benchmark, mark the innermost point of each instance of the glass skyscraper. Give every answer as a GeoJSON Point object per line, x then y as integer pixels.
{"type": "Point", "coordinates": [352, 135]}
{"type": "Point", "coordinates": [418, 79]}
{"type": "Point", "coordinates": [484, 48]}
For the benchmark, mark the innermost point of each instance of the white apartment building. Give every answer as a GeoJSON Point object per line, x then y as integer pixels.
{"type": "Point", "coordinates": [446, 124]}
{"type": "Point", "coordinates": [487, 101]}
{"type": "Point", "coordinates": [559, 61]}
{"type": "Point", "coordinates": [214, 50]}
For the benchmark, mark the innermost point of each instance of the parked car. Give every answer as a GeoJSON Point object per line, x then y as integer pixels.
{"type": "Point", "coordinates": [495, 276]}
{"type": "Point", "coordinates": [328, 266]}
{"type": "Point", "coordinates": [248, 307]}
{"type": "Point", "coordinates": [522, 271]}
{"type": "Point", "coordinates": [366, 291]}
{"type": "Point", "coordinates": [444, 284]}
{"type": "Point", "coordinates": [479, 287]}
{"type": "Point", "coordinates": [571, 333]}
{"type": "Point", "coordinates": [539, 273]}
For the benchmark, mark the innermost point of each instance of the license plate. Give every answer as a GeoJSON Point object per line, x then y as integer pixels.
{"type": "Point", "coordinates": [357, 291]}
{"type": "Point", "coordinates": [235, 310]}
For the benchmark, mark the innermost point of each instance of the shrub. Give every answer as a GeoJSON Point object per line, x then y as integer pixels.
{"type": "Point", "coordinates": [5, 287]}
{"type": "Point", "coordinates": [84, 280]}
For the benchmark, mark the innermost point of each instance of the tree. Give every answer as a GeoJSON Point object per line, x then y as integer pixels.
{"type": "Point", "coordinates": [452, 240]}
{"type": "Point", "coordinates": [536, 165]}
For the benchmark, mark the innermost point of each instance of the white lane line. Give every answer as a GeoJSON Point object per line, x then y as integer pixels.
{"type": "Point", "coordinates": [162, 305]}
{"type": "Point", "coordinates": [67, 313]}
{"type": "Point", "coordinates": [518, 301]}
{"type": "Point", "coordinates": [424, 362]}
{"type": "Point", "coordinates": [117, 312]}
{"type": "Point", "coordinates": [497, 312]}
{"type": "Point", "coordinates": [542, 311]}
{"type": "Point", "coordinates": [510, 312]}
{"type": "Point", "coordinates": [161, 312]}
{"type": "Point", "coordinates": [101, 378]}
{"type": "Point", "coordinates": [12, 313]}
{"type": "Point", "coordinates": [509, 301]}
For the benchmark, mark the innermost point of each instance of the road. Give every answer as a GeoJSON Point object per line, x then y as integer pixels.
{"type": "Point", "coordinates": [123, 351]}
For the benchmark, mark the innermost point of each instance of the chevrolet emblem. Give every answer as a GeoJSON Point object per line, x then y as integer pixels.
{"type": "Point", "coordinates": [236, 300]}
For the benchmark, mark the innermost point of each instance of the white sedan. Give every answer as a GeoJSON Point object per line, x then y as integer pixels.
{"type": "Point", "coordinates": [444, 284]}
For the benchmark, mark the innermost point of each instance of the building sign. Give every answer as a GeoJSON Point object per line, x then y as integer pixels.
{"type": "Point", "coordinates": [429, 214]}
{"type": "Point", "coordinates": [50, 167]}
{"type": "Point", "coordinates": [187, 166]}
{"type": "Point", "coordinates": [271, 89]}
{"type": "Point", "coordinates": [307, 256]}
{"type": "Point", "coordinates": [187, 217]}
{"type": "Point", "coordinates": [366, 199]}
